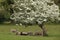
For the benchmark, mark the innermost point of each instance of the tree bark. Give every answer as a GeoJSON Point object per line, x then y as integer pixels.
{"type": "Point", "coordinates": [44, 32]}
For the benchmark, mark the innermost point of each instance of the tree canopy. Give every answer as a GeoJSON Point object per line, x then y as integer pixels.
{"type": "Point", "coordinates": [32, 11]}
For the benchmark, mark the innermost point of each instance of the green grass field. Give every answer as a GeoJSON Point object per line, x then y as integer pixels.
{"type": "Point", "coordinates": [52, 30]}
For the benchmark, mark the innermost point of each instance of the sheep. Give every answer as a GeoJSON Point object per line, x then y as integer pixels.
{"type": "Point", "coordinates": [30, 33]}
{"type": "Point", "coordinates": [38, 34]}
{"type": "Point", "coordinates": [24, 33]}
{"type": "Point", "coordinates": [18, 33]}
{"type": "Point", "coordinates": [13, 30]}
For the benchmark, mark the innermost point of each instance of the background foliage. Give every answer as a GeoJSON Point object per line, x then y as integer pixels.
{"type": "Point", "coordinates": [6, 10]}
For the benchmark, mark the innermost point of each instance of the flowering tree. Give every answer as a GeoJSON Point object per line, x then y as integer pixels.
{"type": "Point", "coordinates": [29, 12]}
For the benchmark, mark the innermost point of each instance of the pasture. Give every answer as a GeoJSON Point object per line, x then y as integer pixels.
{"type": "Point", "coordinates": [53, 31]}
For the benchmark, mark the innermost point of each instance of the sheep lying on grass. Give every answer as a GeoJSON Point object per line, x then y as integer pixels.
{"type": "Point", "coordinates": [13, 30]}
{"type": "Point", "coordinates": [18, 33]}
{"type": "Point", "coordinates": [26, 33]}
{"type": "Point", "coordinates": [38, 34]}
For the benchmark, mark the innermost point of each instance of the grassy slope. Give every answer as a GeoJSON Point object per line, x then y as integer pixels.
{"type": "Point", "coordinates": [53, 31]}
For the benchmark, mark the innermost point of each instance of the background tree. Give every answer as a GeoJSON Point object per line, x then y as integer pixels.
{"type": "Point", "coordinates": [29, 12]}
{"type": "Point", "coordinates": [5, 10]}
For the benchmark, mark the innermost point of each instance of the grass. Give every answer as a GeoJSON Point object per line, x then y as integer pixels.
{"type": "Point", "coordinates": [52, 30]}
{"type": "Point", "coordinates": [2, 0]}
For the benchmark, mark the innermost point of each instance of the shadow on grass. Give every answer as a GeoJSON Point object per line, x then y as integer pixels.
{"type": "Point", "coordinates": [53, 36]}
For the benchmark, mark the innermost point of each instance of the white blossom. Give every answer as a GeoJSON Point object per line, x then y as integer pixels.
{"type": "Point", "coordinates": [38, 10]}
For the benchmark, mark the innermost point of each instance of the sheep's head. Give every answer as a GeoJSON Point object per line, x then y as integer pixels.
{"type": "Point", "coordinates": [13, 30]}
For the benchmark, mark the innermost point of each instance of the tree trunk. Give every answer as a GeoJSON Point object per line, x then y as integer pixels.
{"type": "Point", "coordinates": [44, 32]}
